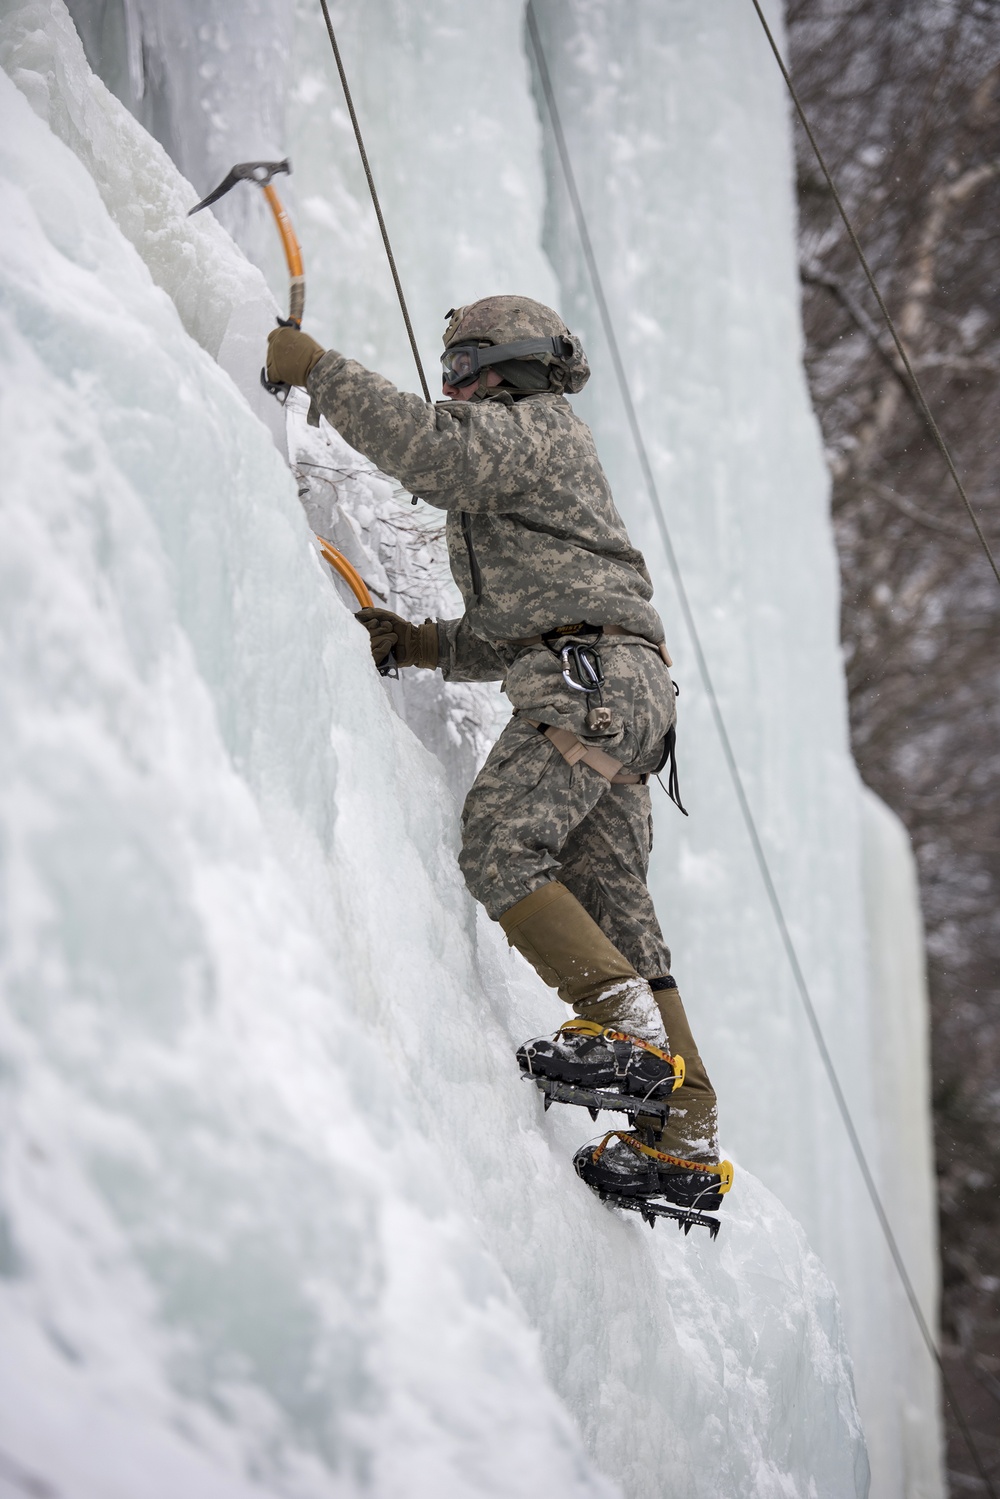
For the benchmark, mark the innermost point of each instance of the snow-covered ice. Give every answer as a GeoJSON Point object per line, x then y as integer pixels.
{"type": "Point", "coordinates": [276, 1215]}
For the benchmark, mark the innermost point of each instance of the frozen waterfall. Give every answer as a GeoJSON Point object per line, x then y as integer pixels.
{"type": "Point", "coordinates": [276, 1216]}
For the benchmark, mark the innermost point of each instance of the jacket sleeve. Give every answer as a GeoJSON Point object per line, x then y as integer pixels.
{"type": "Point", "coordinates": [456, 455]}
{"type": "Point", "coordinates": [465, 657]}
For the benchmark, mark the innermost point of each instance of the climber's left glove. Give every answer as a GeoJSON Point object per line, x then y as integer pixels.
{"type": "Point", "coordinates": [411, 645]}
{"type": "Point", "coordinates": [291, 354]}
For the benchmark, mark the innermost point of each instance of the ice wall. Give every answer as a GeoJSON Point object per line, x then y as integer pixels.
{"type": "Point", "coordinates": [901, 1041]}
{"type": "Point", "coordinates": [677, 125]}
{"type": "Point", "coordinates": [276, 1219]}
{"type": "Point", "coordinates": [217, 86]}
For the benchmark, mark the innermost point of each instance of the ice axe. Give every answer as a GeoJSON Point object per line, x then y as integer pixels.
{"type": "Point", "coordinates": [261, 172]}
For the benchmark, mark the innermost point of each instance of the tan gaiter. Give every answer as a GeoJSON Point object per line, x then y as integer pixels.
{"type": "Point", "coordinates": [692, 1131]}
{"type": "Point", "coordinates": [567, 949]}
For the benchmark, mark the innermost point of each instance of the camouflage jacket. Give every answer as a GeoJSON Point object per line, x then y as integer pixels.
{"type": "Point", "coordinates": [534, 538]}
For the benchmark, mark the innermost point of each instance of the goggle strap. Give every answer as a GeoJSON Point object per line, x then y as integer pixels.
{"type": "Point", "coordinates": [559, 347]}
{"type": "Point", "coordinates": [498, 353]}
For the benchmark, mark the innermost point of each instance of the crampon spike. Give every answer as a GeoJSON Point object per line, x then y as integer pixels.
{"type": "Point", "coordinates": [651, 1208]}
{"type": "Point", "coordinates": [595, 1099]}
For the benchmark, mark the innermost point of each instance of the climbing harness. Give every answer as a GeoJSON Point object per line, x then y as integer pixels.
{"type": "Point", "coordinates": [582, 671]}
{"type": "Point", "coordinates": [574, 750]}
{"type": "Point", "coordinates": [763, 865]}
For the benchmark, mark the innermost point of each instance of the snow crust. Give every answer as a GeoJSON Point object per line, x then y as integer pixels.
{"type": "Point", "coordinates": [277, 1215]}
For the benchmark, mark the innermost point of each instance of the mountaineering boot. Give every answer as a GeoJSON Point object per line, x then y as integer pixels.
{"type": "Point", "coordinates": [598, 1059]}
{"type": "Point", "coordinates": [666, 1168]}
{"type": "Point", "coordinates": [616, 1054]}
{"type": "Point", "coordinates": [692, 1130]}
{"type": "Point", "coordinates": [624, 1169]}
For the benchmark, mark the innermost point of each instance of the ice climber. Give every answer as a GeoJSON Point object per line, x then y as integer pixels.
{"type": "Point", "coordinates": [556, 830]}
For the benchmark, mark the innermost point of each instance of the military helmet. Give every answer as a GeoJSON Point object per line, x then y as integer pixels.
{"type": "Point", "coordinates": [523, 340]}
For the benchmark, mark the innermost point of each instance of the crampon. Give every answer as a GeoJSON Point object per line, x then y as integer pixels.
{"type": "Point", "coordinates": [633, 1175]}
{"type": "Point", "coordinates": [597, 1067]}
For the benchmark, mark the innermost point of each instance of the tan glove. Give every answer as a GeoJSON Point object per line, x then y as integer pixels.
{"type": "Point", "coordinates": [412, 645]}
{"type": "Point", "coordinates": [291, 354]}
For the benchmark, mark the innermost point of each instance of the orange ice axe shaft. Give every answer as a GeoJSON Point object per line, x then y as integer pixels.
{"type": "Point", "coordinates": [350, 574]}
{"type": "Point", "coordinates": [261, 173]}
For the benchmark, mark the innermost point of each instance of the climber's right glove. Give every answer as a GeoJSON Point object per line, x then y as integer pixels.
{"type": "Point", "coordinates": [291, 354]}
{"type": "Point", "coordinates": [412, 645]}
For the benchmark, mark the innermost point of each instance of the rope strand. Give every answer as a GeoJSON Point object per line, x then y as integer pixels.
{"type": "Point", "coordinates": [755, 841]}
{"type": "Point", "coordinates": [917, 390]}
{"type": "Point", "coordinates": [378, 207]}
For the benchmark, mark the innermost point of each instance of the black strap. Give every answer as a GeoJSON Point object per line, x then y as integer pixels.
{"type": "Point", "coordinates": [560, 348]}
{"type": "Point", "coordinates": [465, 520]}
{"type": "Point", "coordinates": [672, 788]}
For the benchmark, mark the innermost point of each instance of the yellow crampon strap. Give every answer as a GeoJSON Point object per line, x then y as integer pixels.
{"type": "Point", "coordinates": [591, 1028]}
{"type": "Point", "coordinates": [724, 1170]}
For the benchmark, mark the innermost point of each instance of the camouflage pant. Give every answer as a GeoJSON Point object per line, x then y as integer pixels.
{"type": "Point", "coordinates": [531, 818]}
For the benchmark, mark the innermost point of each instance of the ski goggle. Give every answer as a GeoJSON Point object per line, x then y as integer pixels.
{"type": "Point", "coordinates": [462, 363]}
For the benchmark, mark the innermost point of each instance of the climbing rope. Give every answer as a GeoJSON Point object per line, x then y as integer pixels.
{"type": "Point", "coordinates": [702, 663]}
{"type": "Point", "coordinates": [377, 205]}
{"type": "Point", "coordinates": [916, 390]}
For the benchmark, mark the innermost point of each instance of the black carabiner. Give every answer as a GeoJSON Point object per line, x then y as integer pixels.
{"type": "Point", "coordinates": [584, 661]}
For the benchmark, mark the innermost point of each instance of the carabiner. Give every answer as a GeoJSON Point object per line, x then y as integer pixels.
{"type": "Point", "coordinates": [587, 664]}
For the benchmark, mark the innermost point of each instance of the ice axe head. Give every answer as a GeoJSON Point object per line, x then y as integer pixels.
{"type": "Point", "coordinates": [260, 172]}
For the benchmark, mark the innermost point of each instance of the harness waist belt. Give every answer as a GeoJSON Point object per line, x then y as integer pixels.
{"type": "Point", "coordinates": [573, 750]}
{"type": "Point", "coordinates": [574, 629]}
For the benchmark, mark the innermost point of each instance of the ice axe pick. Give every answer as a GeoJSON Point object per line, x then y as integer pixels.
{"type": "Point", "coordinates": [261, 172]}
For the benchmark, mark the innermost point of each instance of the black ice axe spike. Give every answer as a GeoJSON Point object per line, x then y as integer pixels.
{"type": "Point", "coordinates": [261, 173]}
